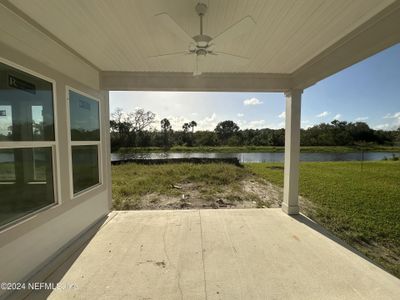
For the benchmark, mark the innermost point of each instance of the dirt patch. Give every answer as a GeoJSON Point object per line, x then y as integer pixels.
{"type": "Point", "coordinates": [268, 195]}
{"type": "Point", "coordinates": [247, 193]}
{"type": "Point", "coordinates": [276, 168]}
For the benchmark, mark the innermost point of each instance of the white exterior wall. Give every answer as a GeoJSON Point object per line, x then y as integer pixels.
{"type": "Point", "coordinates": [20, 35]}
{"type": "Point", "coordinates": [20, 258]}
{"type": "Point", "coordinates": [29, 244]}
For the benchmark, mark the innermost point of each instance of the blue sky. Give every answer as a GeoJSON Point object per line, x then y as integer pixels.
{"type": "Point", "coordinates": [368, 92]}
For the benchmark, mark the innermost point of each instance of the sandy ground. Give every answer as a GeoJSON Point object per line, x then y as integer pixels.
{"type": "Point", "coordinates": [248, 193]}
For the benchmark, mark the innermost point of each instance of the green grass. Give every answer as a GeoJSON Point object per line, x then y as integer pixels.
{"type": "Point", "coordinates": [360, 205]}
{"type": "Point", "coordinates": [226, 149]}
{"type": "Point", "coordinates": [133, 181]}
{"type": "Point", "coordinates": [7, 171]}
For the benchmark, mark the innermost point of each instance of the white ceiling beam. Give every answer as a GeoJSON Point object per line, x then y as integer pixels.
{"type": "Point", "coordinates": [377, 34]}
{"type": "Point", "coordinates": [173, 81]}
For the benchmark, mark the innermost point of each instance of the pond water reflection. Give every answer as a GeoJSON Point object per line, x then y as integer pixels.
{"type": "Point", "coordinates": [260, 156]}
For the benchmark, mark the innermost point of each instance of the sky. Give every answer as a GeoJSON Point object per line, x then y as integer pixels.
{"type": "Point", "coordinates": [368, 91]}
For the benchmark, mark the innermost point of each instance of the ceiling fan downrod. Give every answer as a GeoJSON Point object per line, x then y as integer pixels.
{"type": "Point", "coordinates": [201, 9]}
{"type": "Point", "coordinates": [202, 40]}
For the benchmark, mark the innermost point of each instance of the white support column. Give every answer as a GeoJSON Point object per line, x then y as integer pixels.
{"type": "Point", "coordinates": [107, 150]}
{"type": "Point", "coordinates": [290, 203]}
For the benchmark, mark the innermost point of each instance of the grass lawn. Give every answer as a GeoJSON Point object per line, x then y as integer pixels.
{"type": "Point", "coordinates": [361, 206]}
{"type": "Point", "coordinates": [7, 171]}
{"type": "Point", "coordinates": [226, 149]}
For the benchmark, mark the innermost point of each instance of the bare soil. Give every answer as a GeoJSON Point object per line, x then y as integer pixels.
{"type": "Point", "coordinates": [248, 193]}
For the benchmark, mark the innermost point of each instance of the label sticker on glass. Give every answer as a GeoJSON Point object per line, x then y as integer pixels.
{"type": "Point", "coordinates": [84, 104]}
{"type": "Point", "coordinates": [3, 113]}
{"type": "Point", "coordinates": [21, 84]}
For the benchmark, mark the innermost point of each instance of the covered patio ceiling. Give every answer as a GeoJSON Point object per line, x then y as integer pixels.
{"type": "Point", "coordinates": [293, 44]}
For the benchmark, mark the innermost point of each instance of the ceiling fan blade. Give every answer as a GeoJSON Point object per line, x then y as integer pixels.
{"type": "Point", "coordinates": [198, 64]}
{"type": "Point", "coordinates": [169, 23]}
{"type": "Point", "coordinates": [239, 28]}
{"type": "Point", "coordinates": [231, 58]}
{"type": "Point", "coordinates": [168, 55]}
{"type": "Point", "coordinates": [197, 70]}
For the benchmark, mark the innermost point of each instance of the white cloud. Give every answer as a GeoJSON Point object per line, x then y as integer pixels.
{"type": "Point", "coordinates": [360, 119]}
{"type": "Point", "coordinates": [257, 124]}
{"type": "Point", "coordinates": [382, 126]}
{"type": "Point", "coordinates": [323, 114]}
{"type": "Point", "coordinates": [241, 123]}
{"type": "Point", "coordinates": [337, 117]}
{"type": "Point", "coordinates": [395, 123]}
{"type": "Point", "coordinates": [282, 115]}
{"type": "Point", "coordinates": [208, 123]}
{"type": "Point", "coordinates": [306, 124]}
{"type": "Point", "coordinates": [261, 124]}
{"type": "Point", "coordinates": [240, 115]}
{"type": "Point", "coordinates": [212, 118]}
{"type": "Point", "coordinates": [387, 126]}
{"type": "Point", "coordinates": [394, 116]}
{"type": "Point", "coordinates": [194, 114]}
{"type": "Point", "coordinates": [175, 121]}
{"type": "Point", "coordinates": [252, 101]}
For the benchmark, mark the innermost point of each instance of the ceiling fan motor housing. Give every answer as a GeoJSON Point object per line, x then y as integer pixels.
{"type": "Point", "coordinates": [201, 9]}
{"type": "Point", "coordinates": [201, 51]}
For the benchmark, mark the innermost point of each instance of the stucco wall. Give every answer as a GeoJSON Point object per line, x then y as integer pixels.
{"type": "Point", "coordinates": [20, 257]}
{"type": "Point", "coordinates": [20, 35]}
{"type": "Point", "coordinates": [28, 244]}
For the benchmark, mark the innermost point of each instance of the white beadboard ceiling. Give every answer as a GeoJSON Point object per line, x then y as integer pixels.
{"type": "Point", "coordinates": [120, 35]}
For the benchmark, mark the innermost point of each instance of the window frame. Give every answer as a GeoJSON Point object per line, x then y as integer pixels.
{"type": "Point", "coordinates": [54, 145]}
{"type": "Point", "coordinates": [72, 143]}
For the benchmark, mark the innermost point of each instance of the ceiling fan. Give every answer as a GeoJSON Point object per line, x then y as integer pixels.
{"type": "Point", "coordinates": [202, 45]}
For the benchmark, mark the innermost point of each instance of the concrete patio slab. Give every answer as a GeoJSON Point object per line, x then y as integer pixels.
{"type": "Point", "coordinates": [218, 254]}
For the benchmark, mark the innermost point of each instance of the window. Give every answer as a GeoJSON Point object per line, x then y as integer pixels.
{"type": "Point", "coordinates": [84, 114]}
{"type": "Point", "coordinates": [27, 144]}
{"type": "Point", "coordinates": [85, 167]}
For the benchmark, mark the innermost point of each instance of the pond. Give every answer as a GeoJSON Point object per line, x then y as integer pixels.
{"type": "Point", "coordinates": [258, 157]}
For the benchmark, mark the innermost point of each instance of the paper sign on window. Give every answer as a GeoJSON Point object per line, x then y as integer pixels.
{"type": "Point", "coordinates": [84, 105]}
{"type": "Point", "coordinates": [21, 84]}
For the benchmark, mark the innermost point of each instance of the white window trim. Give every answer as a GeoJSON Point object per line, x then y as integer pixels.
{"type": "Point", "coordinates": [39, 144]}
{"type": "Point", "coordinates": [84, 143]}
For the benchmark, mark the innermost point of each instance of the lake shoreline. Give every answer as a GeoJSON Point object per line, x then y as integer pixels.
{"type": "Point", "coordinates": [256, 149]}
{"type": "Point", "coordinates": [251, 157]}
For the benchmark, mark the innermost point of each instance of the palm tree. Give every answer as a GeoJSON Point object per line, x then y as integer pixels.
{"type": "Point", "coordinates": [185, 127]}
{"type": "Point", "coordinates": [166, 128]}
{"type": "Point", "coordinates": [165, 125]}
{"type": "Point", "coordinates": [192, 125]}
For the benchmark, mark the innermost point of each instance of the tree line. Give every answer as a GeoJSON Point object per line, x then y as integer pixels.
{"type": "Point", "coordinates": [137, 129]}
